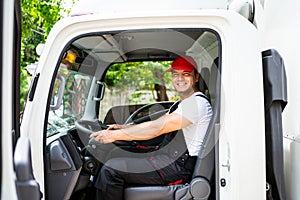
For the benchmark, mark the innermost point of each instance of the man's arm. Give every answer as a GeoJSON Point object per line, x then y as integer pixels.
{"type": "Point", "coordinates": [143, 131]}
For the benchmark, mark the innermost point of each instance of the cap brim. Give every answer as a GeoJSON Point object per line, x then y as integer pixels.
{"type": "Point", "coordinates": [181, 68]}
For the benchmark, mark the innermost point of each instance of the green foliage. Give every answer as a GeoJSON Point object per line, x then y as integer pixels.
{"type": "Point", "coordinates": [139, 75]}
{"type": "Point", "coordinates": [38, 17]}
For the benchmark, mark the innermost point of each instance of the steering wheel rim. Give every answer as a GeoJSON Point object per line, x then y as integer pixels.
{"type": "Point", "coordinates": [130, 119]}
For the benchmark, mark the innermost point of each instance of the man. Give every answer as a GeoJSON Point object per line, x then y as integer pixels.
{"type": "Point", "coordinates": [192, 115]}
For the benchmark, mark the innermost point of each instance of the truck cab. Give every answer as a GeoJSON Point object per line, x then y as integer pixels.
{"type": "Point", "coordinates": [107, 64]}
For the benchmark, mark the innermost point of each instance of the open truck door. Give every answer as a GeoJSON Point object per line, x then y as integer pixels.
{"type": "Point", "coordinates": [17, 181]}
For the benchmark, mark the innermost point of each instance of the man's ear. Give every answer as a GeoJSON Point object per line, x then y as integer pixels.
{"type": "Point", "coordinates": [197, 76]}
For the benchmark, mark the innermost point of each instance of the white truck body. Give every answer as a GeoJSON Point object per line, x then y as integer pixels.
{"type": "Point", "coordinates": [240, 163]}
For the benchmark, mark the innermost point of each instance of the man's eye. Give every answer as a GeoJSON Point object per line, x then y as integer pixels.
{"type": "Point", "coordinates": [186, 74]}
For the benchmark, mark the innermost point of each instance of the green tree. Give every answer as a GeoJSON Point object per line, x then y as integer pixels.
{"type": "Point", "coordinates": [38, 17]}
{"type": "Point", "coordinates": [141, 76]}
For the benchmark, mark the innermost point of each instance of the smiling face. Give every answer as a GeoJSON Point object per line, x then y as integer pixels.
{"type": "Point", "coordinates": [184, 82]}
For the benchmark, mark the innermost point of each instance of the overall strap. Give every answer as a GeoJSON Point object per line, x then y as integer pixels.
{"type": "Point", "coordinates": [174, 107]}
{"type": "Point", "coordinates": [205, 97]}
{"type": "Point", "coordinates": [169, 136]}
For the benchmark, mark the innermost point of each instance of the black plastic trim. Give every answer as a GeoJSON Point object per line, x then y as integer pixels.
{"type": "Point", "coordinates": [26, 185]}
{"type": "Point", "coordinates": [275, 97]}
{"type": "Point", "coordinates": [33, 87]}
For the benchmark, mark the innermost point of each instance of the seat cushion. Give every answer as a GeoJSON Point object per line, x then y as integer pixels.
{"type": "Point", "coordinates": [151, 192]}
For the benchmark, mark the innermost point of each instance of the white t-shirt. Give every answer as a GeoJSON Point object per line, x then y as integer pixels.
{"type": "Point", "coordinates": [197, 110]}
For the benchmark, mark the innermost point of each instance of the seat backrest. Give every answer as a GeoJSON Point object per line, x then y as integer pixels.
{"type": "Point", "coordinates": [206, 160]}
{"type": "Point", "coordinates": [119, 114]}
{"type": "Point", "coordinates": [204, 81]}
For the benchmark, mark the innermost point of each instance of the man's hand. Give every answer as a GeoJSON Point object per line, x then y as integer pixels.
{"type": "Point", "coordinates": [104, 136]}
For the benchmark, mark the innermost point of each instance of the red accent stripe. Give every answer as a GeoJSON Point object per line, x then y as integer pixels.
{"type": "Point", "coordinates": [142, 147]}
{"type": "Point", "coordinates": [161, 175]}
{"type": "Point", "coordinates": [176, 182]}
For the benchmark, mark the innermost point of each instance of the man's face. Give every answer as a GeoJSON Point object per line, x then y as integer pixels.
{"type": "Point", "coordinates": [184, 81]}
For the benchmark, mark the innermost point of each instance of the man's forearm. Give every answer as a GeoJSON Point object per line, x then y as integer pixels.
{"type": "Point", "coordinates": [143, 131]}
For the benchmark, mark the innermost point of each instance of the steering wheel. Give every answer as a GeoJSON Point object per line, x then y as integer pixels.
{"type": "Point", "coordinates": [161, 107]}
{"type": "Point", "coordinates": [86, 127]}
{"type": "Point", "coordinates": [89, 127]}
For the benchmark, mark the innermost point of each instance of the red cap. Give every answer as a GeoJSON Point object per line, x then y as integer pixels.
{"type": "Point", "coordinates": [185, 63]}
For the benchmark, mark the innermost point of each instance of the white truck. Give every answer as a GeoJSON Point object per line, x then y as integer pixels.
{"type": "Point", "coordinates": [105, 64]}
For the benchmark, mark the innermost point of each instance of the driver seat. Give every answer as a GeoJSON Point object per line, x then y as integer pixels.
{"type": "Point", "coordinates": [200, 186]}
{"type": "Point", "coordinates": [202, 183]}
